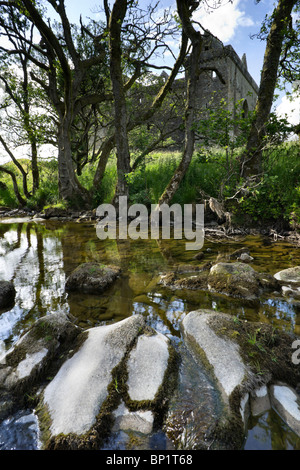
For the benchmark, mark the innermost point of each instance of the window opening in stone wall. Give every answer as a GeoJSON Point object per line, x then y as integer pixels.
{"type": "Point", "coordinates": [245, 110]}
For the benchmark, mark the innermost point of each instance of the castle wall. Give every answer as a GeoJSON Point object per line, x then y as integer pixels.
{"type": "Point", "coordinates": [238, 83]}
{"type": "Point", "coordinates": [223, 75]}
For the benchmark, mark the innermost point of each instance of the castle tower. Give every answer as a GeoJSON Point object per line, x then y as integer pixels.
{"type": "Point", "coordinates": [223, 75]}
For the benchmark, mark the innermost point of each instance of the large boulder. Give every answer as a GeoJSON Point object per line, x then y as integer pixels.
{"type": "Point", "coordinates": [245, 359]}
{"type": "Point", "coordinates": [149, 384]}
{"type": "Point", "coordinates": [195, 405]}
{"type": "Point", "coordinates": [92, 278]}
{"type": "Point", "coordinates": [239, 280]}
{"type": "Point", "coordinates": [75, 395]}
{"type": "Point", "coordinates": [118, 379]}
{"type": "Point", "coordinates": [7, 294]}
{"type": "Point", "coordinates": [235, 279]}
{"type": "Point", "coordinates": [25, 365]}
{"type": "Point", "coordinates": [147, 364]}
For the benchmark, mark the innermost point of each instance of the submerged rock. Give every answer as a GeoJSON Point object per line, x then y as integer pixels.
{"type": "Point", "coordinates": [194, 407]}
{"type": "Point", "coordinates": [7, 294]}
{"type": "Point", "coordinates": [289, 275]}
{"type": "Point", "coordinates": [290, 282]}
{"type": "Point", "coordinates": [239, 280]}
{"type": "Point", "coordinates": [260, 401]}
{"type": "Point", "coordinates": [137, 421]}
{"type": "Point", "coordinates": [235, 279]}
{"type": "Point", "coordinates": [92, 278]}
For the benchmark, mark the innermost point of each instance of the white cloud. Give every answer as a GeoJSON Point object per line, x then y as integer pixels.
{"type": "Point", "coordinates": [223, 21]}
{"type": "Point", "coordinates": [290, 108]}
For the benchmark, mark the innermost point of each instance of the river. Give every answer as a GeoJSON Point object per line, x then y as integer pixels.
{"type": "Point", "coordinates": [38, 257]}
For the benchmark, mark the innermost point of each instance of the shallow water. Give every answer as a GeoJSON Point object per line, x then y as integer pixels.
{"type": "Point", "coordinates": [38, 257]}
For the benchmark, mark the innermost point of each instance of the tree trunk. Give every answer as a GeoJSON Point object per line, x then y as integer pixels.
{"type": "Point", "coordinates": [34, 167]}
{"type": "Point", "coordinates": [106, 149]}
{"type": "Point", "coordinates": [19, 166]}
{"type": "Point", "coordinates": [251, 163]}
{"type": "Point", "coordinates": [20, 199]}
{"type": "Point", "coordinates": [69, 187]}
{"type": "Point", "coordinates": [123, 155]}
{"type": "Point", "coordinates": [193, 75]}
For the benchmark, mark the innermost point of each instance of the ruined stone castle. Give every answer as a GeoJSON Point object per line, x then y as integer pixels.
{"type": "Point", "coordinates": [223, 75]}
{"type": "Point", "coordinates": [232, 81]}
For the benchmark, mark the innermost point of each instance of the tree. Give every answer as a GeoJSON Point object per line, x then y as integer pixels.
{"type": "Point", "coordinates": [137, 39]}
{"type": "Point", "coordinates": [226, 128]}
{"type": "Point", "coordinates": [116, 19]}
{"type": "Point", "coordinates": [27, 125]}
{"type": "Point", "coordinates": [62, 69]}
{"type": "Point", "coordinates": [185, 9]}
{"type": "Point", "coordinates": [278, 42]}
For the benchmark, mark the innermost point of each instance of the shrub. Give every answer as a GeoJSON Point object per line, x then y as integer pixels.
{"type": "Point", "coordinates": [278, 195]}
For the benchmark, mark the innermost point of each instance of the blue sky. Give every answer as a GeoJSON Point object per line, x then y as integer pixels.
{"type": "Point", "coordinates": [233, 23]}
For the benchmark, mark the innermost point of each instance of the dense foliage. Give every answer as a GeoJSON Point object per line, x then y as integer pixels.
{"type": "Point", "coordinates": [95, 92]}
{"type": "Point", "coordinates": [275, 198]}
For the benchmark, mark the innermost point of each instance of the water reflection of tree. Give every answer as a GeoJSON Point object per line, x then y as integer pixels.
{"type": "Point", "coordinates": [8, 246]}
{"type": "Point", "coordinates": [36, 283]}
{"type": "Point", "coordinates": [25, 283]}
{"type": "Point", "coordinates": [17, 245]}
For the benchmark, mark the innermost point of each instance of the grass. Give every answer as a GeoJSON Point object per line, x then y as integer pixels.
{"type": "Point", "coordinates": [47, 194]}
{"type": "Point", "coordinates": [278, 195]}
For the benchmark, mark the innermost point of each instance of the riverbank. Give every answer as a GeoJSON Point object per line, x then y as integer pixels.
{"type": "Point", "coordinates": [213, 229]}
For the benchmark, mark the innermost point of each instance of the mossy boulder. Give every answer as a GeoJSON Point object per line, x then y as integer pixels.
{"type": "Point", "coordinates": [92, 278]}
{"type": "Point", "coordinates": [245, 359]}
{"type": "Point", "coordinates": [239, 280]}
{"type": "Point", "coordinates": [34, 355]}
{"type": "Point", "coordinates": [235, 279]}
{"type": "Point", "coordinates": [7, 294]}
{"type": "Point", "coordinates": [118, 379]}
